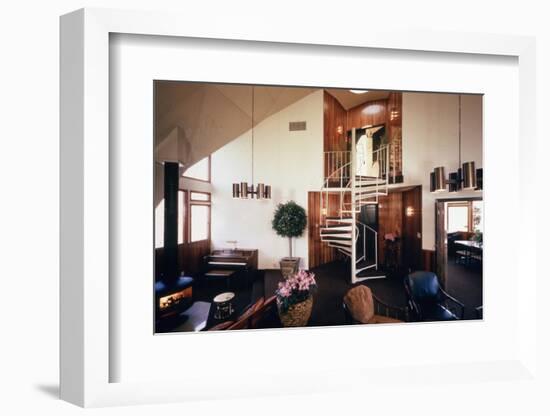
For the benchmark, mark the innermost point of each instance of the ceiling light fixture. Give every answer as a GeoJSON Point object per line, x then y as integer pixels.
{"type": "Point", "coordinates": [243, 190]}
{"type": "Point", "coordinates": [359, 91]}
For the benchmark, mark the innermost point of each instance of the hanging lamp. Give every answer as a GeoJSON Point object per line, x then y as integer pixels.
{"type": "Point", "coordinates": [244, 191]}
{"type": "Point", "coordinates": [466, 177]}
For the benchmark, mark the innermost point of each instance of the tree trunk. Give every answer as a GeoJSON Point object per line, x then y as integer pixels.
{"type": "Point", "coordinates": [290, 246]}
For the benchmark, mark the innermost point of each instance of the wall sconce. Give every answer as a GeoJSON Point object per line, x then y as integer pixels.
{"type": "Point", "coordinates": [340, 129]}
{"type": "Point", "coordinates": [409, 212]}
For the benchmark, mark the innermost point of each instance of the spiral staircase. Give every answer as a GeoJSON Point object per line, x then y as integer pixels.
{"type": "Point", "coordinates": [343, 195]}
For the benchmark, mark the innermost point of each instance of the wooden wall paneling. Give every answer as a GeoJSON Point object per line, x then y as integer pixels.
{"type": "Point", "coordinates": [190, 256]}
{"type": "Point", "coordinates": [440, 243]}
{"type": "Point", "coordinates": [319, 252]}
{"type": "Point", "coordinates": [394, 117]}
{"type": "Point", "coordinates": [390, 219]}
{"type": "Point", "coordinates": [412, 229]}
{"type": "Point", "coordinates": [428, 260]}
{"type": "Point", "coordinates": [334, 124]}
{"type": "Point", "coordinates": [334, 128]}
{"type": "Point", "coordinates": [369, 113]}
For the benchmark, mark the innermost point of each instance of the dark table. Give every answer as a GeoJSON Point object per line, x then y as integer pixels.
{"type": "Point", "coordinates": [240, 302]}
{"type": "Point", "coordinates": [471, 247]}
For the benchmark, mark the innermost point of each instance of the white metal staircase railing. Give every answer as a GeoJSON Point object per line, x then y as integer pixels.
{"type": "Point", "coordinates": [339, 226]}
{"type": "Point", "coordinates": [362, 262]}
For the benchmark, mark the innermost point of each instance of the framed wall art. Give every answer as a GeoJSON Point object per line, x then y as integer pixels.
{"type": "Point", "coordinates": [238, 210]}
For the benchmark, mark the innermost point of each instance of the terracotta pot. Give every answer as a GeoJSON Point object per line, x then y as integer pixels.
{"type": "Point", "coordinates": [298, 314]}
{"type": "Point", "coordinates": [289, 266]}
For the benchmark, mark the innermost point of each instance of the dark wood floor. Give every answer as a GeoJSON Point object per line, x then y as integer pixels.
{"type": "Point", "coordinates": [333, 280]}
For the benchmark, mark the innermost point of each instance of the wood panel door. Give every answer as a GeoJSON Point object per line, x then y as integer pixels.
{"type": "Point", "coordinates": [319, 252]}
{"type": "Point", "coordinates": [440, 243]}
{"type": "Point", "coordinates": [412, 229]}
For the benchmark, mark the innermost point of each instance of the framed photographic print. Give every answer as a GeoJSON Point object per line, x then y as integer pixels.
{"type": "Point", "coordinates": [298, 211]}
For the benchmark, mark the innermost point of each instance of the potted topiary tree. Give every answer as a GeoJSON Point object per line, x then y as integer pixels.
{"type": "Point", "coordinates": [289, 221]}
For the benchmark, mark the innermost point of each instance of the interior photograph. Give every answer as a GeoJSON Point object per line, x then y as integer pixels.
{"type": "Point", "coordinates": [283, 206]}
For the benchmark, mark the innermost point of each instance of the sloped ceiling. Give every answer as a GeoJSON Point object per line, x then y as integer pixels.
{"type": "Point", "coordinates": [348, 99]}
{"type": "Point", "coordinates": [195, 119]}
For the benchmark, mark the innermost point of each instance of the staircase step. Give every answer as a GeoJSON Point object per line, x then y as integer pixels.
{"type": "Point", "coordinates": [335, 232]}
{"type": "Point", "coordinates": [364, 267]}
{"type": "Point", "coordinates": [365, 263]}
{"type": "Point", "coordinates": [339, 237]}
{"type": "Point", "coordinates": [369, 274]}
{"type": "Point", "coordinates": [331, 239]}
{"type": "Point", "coordinates": [342, 226]}
{"type": "Point", "coordinates": [342, 244]}
{"type": "Point", "coordinates": [370, 182]}
{"type": "Point", "coordinates": [346, 241]}
{"type": "Point", "coordinates": [340, 219]}
{"type": "Point", "coordinates": [367, 191]}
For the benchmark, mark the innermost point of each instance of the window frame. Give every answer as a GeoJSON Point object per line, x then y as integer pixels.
{"type": "Point", "coordinates": [209, 221]}
{"type": "Point", "coordinates": [188, 203]}
{"type": "Point", "coordinates": [209, 194]}
{"type": "Point", "coordinates": [461, 204]}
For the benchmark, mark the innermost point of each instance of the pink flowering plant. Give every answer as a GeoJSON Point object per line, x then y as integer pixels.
{"type": "Point", "coordinates": [295, 289]}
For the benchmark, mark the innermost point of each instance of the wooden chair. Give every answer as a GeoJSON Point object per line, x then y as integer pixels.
{"type": "Point", "coordinates": [362, 307]}
{"type": "Point", "coordinates": [243, 321]}
{"type": "Point", "coordinates": [260, 314]}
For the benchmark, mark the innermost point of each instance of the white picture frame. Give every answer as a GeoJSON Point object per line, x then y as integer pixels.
{"type": "Point", "coordinates": [85, 182]}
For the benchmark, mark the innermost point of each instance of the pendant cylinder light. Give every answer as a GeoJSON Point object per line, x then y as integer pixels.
{"type": "Point", "coordinates": [439, 182]}
{"type": "Point", "coordinates": [236, 190]}
{"type": "Point", "coordinates": [469, 173]}
{"type": "Point", "coordinates": [260, 190]}
{"type": "Point", "coordinates": [466, 177]}
{"type": "Point", "coordinates": [479, 179]}
{"type": "Point", "coordinates": [243, 190]}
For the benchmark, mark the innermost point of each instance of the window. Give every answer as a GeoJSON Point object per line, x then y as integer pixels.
{"type": "Point", "coordinates": [159, 220]}
{"type": "Point", "coordinates": [200, 222]}
{"type": "Point", "coordinates": [458, 217]}
{"type": "Point", "coordinates": [193, 218]}
{"type": "Point", "coordinates": [199, 170]}
{"type": "Point", "coordinates": [200, 196]}
{"type": "Point", "coordinates": [182, 213]}
{"type": "Point", "coordinates": [159, 225]}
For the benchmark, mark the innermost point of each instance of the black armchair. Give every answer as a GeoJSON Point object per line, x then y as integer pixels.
{"type": "Point", "coordinates": [428, 301]}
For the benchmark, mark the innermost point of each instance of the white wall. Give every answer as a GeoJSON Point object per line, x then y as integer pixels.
{"type": "Point", "coordinates": [430, 139]}
{"type": "Point", "coordinates": [291, 162]}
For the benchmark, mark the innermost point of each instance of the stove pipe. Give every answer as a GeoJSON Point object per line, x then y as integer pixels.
{"type": "Point", "coordinates": [171, 185]}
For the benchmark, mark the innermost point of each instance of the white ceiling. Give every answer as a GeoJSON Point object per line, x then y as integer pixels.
{"type": "Point", "coordinates": [349, 99]}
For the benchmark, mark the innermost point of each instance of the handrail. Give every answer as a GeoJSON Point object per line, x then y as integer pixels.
{"type": "Point", "coordinates": [334, 160]}
{"type": "Point", "coordinates": [367, 227]}
{"type": "Point", "coordinates": [341, 187]}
